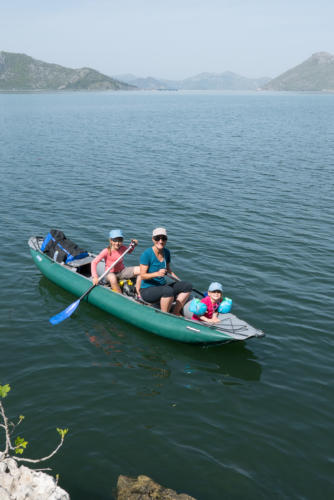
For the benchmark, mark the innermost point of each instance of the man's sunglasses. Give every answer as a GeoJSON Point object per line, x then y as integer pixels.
{"type": "Point", "coordinates": [161, 237]}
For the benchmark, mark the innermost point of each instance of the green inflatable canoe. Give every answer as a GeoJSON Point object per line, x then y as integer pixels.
{"type": "Point", "coordinates": [76, 279]}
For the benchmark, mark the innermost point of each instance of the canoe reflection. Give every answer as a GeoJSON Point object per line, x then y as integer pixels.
{"type": "Point", "coordinates": [129, 347]}
{"type": "Point", "coordinates": [162, 357]}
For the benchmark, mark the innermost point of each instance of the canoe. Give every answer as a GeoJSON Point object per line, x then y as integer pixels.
{"type": "Point", "coordinates": [76, 279]}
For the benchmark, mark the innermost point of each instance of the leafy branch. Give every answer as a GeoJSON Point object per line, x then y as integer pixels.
{"type": "Point", "coordinates": [20, 444]}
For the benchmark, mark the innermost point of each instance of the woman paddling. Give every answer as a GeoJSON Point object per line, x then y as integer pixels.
{"type": "Point", "coordinates": [110, 255]}
{"type": "Point", "coordinates": [154, 265]}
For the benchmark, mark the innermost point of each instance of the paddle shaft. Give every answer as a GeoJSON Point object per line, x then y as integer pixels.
{"type": "Point", "coordinates": [177, 279]}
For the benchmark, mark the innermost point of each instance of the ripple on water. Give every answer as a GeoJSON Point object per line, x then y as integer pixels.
{"type": "Point", "coordinates": [245, 191]}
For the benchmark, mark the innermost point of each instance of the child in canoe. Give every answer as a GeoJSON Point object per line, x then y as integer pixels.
{"type": "Point", "coordinates": [110, 255]}
{"type": "Point", "coordinates": [213, 302]}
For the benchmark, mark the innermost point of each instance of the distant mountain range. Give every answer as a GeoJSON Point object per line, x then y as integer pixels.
{"type": "Point", "coordinates": [21, 72]}
{"type": "Point", "coordinates": [315, 74]}
{"type": "Point", "coordinates": [203, 81]}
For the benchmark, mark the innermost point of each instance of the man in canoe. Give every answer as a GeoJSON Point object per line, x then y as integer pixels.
{"type": "Point", "coordinates": [154, 265]}
{"type": "Point", "coordinates": [110, 255]}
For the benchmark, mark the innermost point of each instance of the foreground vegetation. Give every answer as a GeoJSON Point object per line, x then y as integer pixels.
{"type": "Point", "coordinates": [15, 446]}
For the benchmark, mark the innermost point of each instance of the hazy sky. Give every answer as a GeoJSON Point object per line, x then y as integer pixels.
{"type": "Point", "coordinates": [169, 38]}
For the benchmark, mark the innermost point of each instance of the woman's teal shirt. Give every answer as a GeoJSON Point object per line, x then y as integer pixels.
{"type": "Point", "coordinates": [148, 258]}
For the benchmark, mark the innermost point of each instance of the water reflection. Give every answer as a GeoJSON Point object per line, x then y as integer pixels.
{"type": "Point", "coordinates": [50, 292]}
{"type": "Point", "coordinates": [161, 356]}
{"type": "Point", "coordinates": [234, 359]}
{"type": "Point", "coordinates": [126, 346]}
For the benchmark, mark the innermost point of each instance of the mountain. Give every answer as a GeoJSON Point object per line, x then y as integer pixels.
{"type": "Point", "coordinates": [314, 74]}
{"type": "Point", "coordinates": [222, 81]}
{"type": "Point", "coordinates": [149, 82]}
{"type": "Point", "coordinates": [22, 72]}
{"type": "Point", "coordinates": [203, 81]}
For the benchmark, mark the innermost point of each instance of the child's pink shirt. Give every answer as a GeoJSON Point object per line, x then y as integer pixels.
{"type": "Point", "coordinates": [211, 308]}
{"type": "Point", "coordinates": [109, 258]}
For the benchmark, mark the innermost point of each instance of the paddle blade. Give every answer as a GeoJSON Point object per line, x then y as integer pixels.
{"type": "Point", "coordinates": [66, 313]}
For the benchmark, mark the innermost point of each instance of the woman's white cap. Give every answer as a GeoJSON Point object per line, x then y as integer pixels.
{"type": "Point", "coordinates": [159, 231]}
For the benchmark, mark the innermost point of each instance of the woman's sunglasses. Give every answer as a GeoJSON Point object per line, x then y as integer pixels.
{"type": "Point", "coordinates": [161, 237]}
{"type": "Point", "coordinates": [119, 240]}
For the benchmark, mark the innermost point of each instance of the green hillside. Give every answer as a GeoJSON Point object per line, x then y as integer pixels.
{"type": "Point", "coordinates": [314, 74]}
{"type": "Point", "coordinates": [21, 72]}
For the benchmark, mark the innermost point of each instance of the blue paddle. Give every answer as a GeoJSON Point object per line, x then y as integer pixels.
{"type": "Point", "coordinates": [66, 313]}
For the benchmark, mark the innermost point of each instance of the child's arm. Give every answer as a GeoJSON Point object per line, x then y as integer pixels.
{"type": "Point", "coordinates": [98, 258]}
{"type": "Point", "coordinates": [132, 249]}
{"type": "Point", "coordinates": [214, 318]}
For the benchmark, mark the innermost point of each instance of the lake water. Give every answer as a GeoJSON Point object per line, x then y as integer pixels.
{"type": "Point", "coordinates": [244, 184]}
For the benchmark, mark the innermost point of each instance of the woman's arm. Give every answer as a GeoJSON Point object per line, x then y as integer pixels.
{"type": "Point", "coordinates": [148, 276]}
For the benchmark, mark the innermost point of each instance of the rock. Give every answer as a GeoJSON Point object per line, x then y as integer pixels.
{"type": "Point", "coordinates": [144, 488]}
{"type": "Point", "coordinates": [22, 483]}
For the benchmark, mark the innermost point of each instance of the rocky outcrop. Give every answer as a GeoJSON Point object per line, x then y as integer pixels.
{"type": "Point", "coordinates": [144, 488]}
{"type": "Point", "coordinates": [22, 483]}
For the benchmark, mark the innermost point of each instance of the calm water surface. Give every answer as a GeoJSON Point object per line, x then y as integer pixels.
{"type": "Point", "coordinates": [244, 185]}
